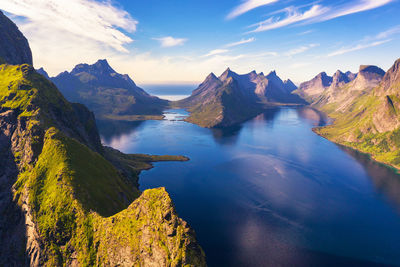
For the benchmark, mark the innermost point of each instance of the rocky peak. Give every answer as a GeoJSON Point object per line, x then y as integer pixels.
{"type": "Point", "coordinates": [351, 75]}
{"type": "Point", "coordinates": [14, 48]}
{"type": "Point", "coordinates": [392, 77]}
{"type": "Point", "coordinates": [371, 69]}
{"type": "Point", "coordinates": [43, 72]}
{"type": "Point", "coordinates": [272, 74]}
{"type": "Point", "coordinates": [289, 86]}
{"type": "Point", "coordinates": [339, 78]}
{"type": "Point", "coordinates": [101, 67]}
{"type": "Point", "coordinates": [324, 79]}
{"type": "Point", "coordinates": [226, 74]}
{"type": "Point", "coordinates": [368, 77]}
{"type": "Point", "coordinates": [211, 77]}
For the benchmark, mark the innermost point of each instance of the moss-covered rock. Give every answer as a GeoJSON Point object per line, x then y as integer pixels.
{"type": "Point", "coordinates": [70, 192]}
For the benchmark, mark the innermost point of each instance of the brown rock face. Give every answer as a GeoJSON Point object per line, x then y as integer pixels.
{"type": "Point", "coordinates": [391, 80]}
{"type": "Point", "coordinates": [14, 48]}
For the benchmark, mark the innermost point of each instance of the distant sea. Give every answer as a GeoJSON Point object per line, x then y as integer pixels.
{"type": "Point", "coordinates": [170, 91]}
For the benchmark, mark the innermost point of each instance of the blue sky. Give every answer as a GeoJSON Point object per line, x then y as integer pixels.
{"type": "Point", "coordinates": [181, 41]}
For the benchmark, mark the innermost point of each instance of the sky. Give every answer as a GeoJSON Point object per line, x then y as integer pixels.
{"type": "Point", "coordinates": [182, 41]}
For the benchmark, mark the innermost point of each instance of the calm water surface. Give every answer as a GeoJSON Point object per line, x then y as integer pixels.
{"type": "Point", "coordinates": [270, 192]}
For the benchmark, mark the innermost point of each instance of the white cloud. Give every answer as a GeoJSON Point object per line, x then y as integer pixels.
{"type": "Point", "coordinates": [359, 6]}
{"type": "Point", "coordinates": [243, 41]}
{"type": "Point", "coordinates": [170, 41]}
{"type": "Point", "coordinates": [248, 5]}
{"type": "Point", "coordinates": [367, 42]}
{"type": "Point", "coordinates": [345, 50]}
{"type": "Point", "coordinates": [96, 22]}
{"type": "Point", "coordinates": [293, 16]}
{"type": "Point", "coordinates": [390, 32]}
{"type": "Point", "coordinates": [216, 52]}
{"type": "Point", "coordinates": [317, 13]}
{"type": "Point", "coordinates": [300, 49]}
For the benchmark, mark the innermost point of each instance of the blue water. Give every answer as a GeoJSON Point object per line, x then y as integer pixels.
{"type": "Point", "coordinates": [171, 92]}
{"type": "Point", "coordinates": [270, 192]}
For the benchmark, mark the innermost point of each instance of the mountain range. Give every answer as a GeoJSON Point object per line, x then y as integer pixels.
{"type": "Point", "coordinates": [65, 200]}
{"type": "Point", "coordinates": [108, 94]}
{"type": "Point", "coordinates": [232, 98]}
{"type": "Point", "coordinates": [366, 113]}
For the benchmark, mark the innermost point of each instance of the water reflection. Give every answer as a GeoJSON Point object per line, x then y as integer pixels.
{"type": "Point", "coordinates": [226, 135]}
{"type": "Point", "coordinates": [270, 192]}
{"type": "Point", "coordinates": [316, 117]}
{"type": "Point", "coordinates": [385, 179]}
{"type": "Point", "coordinates": [111, 129]}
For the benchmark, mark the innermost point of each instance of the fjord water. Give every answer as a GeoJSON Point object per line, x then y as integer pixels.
{"type": "Point", "coordinates": [270, 192]}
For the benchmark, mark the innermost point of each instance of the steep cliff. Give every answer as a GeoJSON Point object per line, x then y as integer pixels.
{"type": "Point", "coordinates": [65, 200]}
{"type": "Point", "coordinates": [14, 48]}
{"type": "Point", "coordinates": [369, 122]}
{"type": "Point", "coordinates": [66, 188]}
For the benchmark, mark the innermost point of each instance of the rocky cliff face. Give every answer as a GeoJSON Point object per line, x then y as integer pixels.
{"type": "Point", "coordinates": [343, 91]}
{"type": "Point", "coordinates": [368, 118]}
{"type": "Point", "coordinates": [315, 87]}
{"type": "Point", "coordinates": [14, 48]}
{"type": "Point", "coordinates": [62, 203]}
{"type": "Point", "coordinates": [109, 94]}
{"type": "Point", "coordinates": [232, 98]}
{"type": "Point", "coordinates": [60, 187]}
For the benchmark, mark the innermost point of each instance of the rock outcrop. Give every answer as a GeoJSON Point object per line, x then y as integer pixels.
{"type": "Point", "coordinates": [14, 48]}
{"type": "Point", "coordinates": [60, 196]}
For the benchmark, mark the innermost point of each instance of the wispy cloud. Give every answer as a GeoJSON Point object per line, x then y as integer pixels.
{"type": "Point", "coordinates": [356, 48]}
{"type": "Point", "coordinates": [248, 5]}
{"type": "Point", "coordinates": [293, 16]}
{"type": "Point", "coordinates": [305, 32]}
{"type": "Point", "coordinates": [243, 41]}
{"type": "Point", "coordinates": [390, 32]}
{"type": "Point", "coordinates": [216, 52]}
{"type": "Point", "coordinates": [169, 41]}
{"type": "Point", "coordinates": [96, 22]}
{"type": "Point", "coordinates": [358, 6]}
{"type": "Point", "coordinates": [300, 49]}
{"type": "Point", "coordinates": [369, 41]}
{"type": "Point", "coordinates": [316, 13]}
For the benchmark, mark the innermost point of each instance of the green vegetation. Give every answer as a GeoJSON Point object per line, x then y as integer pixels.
{"type": "Point", "coordinates": [369, 124]}
{"type": "Point", "coordinates": [86, 209]}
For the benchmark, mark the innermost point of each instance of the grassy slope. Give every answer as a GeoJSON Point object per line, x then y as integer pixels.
{"type": "Point", "coordinates": [354, 127]}
{"type": "Point", "coordinates": [71, 189]}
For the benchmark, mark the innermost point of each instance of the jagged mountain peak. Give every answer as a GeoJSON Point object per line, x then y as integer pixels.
{"type": "Point", "coordinates": [211, 76]}
{"type": "Point", "coordinates": [43, 72]}
{"type": "Point", "coordinates": [14, 47]}
{"type": "Point", "coordinates": [392, 78]}
{"type": "Point", "coordinates": [101, 67]}
{"type": "Point", "coordinates": [289, 86]}
{"type": "Point", "coordinates": [371, 69]}
{"type": "Point", "coordinates": [339, 77]}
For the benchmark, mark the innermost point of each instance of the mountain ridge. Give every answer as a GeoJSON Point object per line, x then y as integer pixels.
{"type": "Point", "coordinates": [65, 198]}
{"type": "Point", "coordinates": [109, 94]}
{"type": "Point", "coordinates": [232, 98]}
{"type": "Point", "coordinates": [369, 119]}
